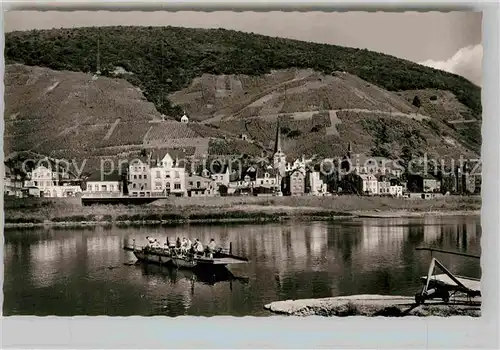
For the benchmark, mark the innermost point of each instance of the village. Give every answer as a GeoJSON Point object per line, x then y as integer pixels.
{"type": "Point", "coordinates": [159, 173]}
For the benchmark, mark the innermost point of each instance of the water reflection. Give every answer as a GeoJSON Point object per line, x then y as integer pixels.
{"type": "Point", "coordinates": [68, 272]}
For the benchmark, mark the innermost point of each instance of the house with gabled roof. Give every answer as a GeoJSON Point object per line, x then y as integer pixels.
{"type": "Point", "coordinates": [168, 177]}
{"type": "Point", "coordinates": [139, 176]}
{"type": "Point", "coordinates": [13, 182]}
{"type": "Point", "coordinates": [266, 177]}
{"type": "Point", "coordinates": [294, 182]}
{"type": "Point", "coordinates": [199, 186]}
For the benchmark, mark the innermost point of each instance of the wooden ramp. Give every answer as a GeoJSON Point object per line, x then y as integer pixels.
{"type": "Point", "coordinates": [470, 283]}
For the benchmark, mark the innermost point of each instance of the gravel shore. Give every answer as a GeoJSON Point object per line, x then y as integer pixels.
{"type": "Point", "coordinates": [372, 305]}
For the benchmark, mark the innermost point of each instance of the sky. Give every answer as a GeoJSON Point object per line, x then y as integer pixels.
{"type": "Point", "coordinates": [449, 41]}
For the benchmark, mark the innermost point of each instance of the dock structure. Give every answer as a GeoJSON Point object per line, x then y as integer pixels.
{"type": "Point", "coordinates": [447, 284]}
{"type": "Point", "coordinates": [472, 284]}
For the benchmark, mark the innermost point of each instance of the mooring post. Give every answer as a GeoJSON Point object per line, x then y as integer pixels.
{"type": "Point", "coordinates": [230, 247]}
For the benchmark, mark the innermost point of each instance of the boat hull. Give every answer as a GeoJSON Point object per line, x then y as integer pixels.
{"type": "Point", "coordinates": [184, 263]}
{"type": "Point", "coordinates": [153, 258]}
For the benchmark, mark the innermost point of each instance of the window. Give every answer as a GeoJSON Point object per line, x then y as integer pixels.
{"type": "Point", "coordinates": [177, 175]}
{"type": "Point", "coordinates": [145, 176]}
{"type": "Point", "coordinates": [261, 182]}
{"type": "Point", "coordinates": [157, 174]}
{"type": "Point", "coordinates": [140, 177]}
{"type": "Point", "coordinates": [190, 183]}
{"type": "Point", "coordinates": [134, 186]}
{"type": "Point", "coordinates": [36, 183]}
{"type": "Point", "coordinates": [135, 177]}
{"type": "Point", "coordinates": [89, 187]}
{"type": "Point", "coordinates": [198, 184]}
{"type": "Point", "coordinates": [103, 187]}
{"type": "Point", "coordinates": [177, 186]}
{"type": "Point", "coordinates": [168, 184]}
{"type": "Point", "coordinates": [111, 187]}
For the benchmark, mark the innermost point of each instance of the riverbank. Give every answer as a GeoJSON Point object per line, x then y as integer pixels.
{"type": "Point", "coordinates": [370, 305]}
{"type": "Point", "coordinates": [66, 212]}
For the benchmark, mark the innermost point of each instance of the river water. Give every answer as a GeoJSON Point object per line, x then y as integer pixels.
{"type": "Point", "coordinates": [68, 272]}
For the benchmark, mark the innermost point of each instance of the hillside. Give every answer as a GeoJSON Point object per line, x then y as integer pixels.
{"type": "Point", "coordinates": [324, 97]}
{"type": "Point", "coordinates": [167, 59]}
{"type": "Point", "coordinates": [72, 115]}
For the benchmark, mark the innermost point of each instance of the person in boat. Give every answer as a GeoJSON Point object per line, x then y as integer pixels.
{"type": "Point", "coordinates": [150, 243]}
{"type": "Point", "coordinates": [211, 247]}
{"type": "Point", "coordinates": [178, 243]}
{"type": "Point", "coordinates": [198, 247]}
{"type": "Point", "coordinates": [184, 248]}
{"type": "Point", "coordinates": [171, 245]}
{"type": "Point", "coordinates": [156, 244]}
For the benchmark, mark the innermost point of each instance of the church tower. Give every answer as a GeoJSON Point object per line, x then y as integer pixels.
{"type": "Point", "coordinates": [279, 158]}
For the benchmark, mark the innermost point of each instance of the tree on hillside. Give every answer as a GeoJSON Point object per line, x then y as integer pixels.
{"type": "Point", "coordinates": [381, 151]}
{"type": "Point", "coordinates": [294, 134]}
{"type": "Point", "coordinates": [416, 102]}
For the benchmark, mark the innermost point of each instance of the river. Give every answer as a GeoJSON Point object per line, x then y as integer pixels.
{"type": "Point", "coordinates": [65, 272]}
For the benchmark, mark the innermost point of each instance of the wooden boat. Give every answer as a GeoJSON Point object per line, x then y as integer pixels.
{"type": "Point", "coordinates": [218, 260]}
{"type": "Point", "coordinates": [165, 256]}
{"type": "Point", "coordinates": [160, 256]}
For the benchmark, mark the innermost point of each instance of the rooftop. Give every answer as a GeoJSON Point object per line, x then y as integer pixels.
{"type": "Point", "coordinates": [102, 176]}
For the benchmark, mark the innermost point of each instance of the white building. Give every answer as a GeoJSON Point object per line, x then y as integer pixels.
{"type": "Point", "coordinates": [139, 177]}
{"type": "Point", "coordinates": [222, 178]}
{"type": "Point", "coordinates": [184, 119]}
{"type": "Point", "coordinates": [107, 185]}
{"type": "Point", "coordinates": [389, 187]}
{"type": "Point", "coordinates": [318, 187]}
{"type": "Point", "coordinates": [266, 177]}
{"type": "Point", "coordinates": [396, 190]}
{"type": "Point", "coordinates": [384, 187]}
{"type": "Point", "coordinates": [42, 177]}
{"type": "Point", "coordinates": [47, 182]}
{"type": "Point", "coordinates": [167, 178]}
{"type": "Point", "coordinates": [369, 184]}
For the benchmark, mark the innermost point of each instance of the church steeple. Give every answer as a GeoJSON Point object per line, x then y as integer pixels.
{"type": "Point", "coordinates": [277, 141]}
{"type": "Point", "coordinates": [279, 158]}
